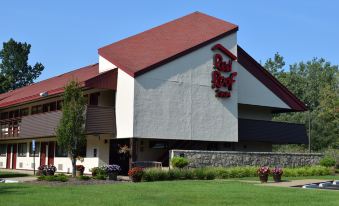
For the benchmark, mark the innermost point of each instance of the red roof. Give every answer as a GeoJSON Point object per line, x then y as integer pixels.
{"type": "Point", "coordinates": [152, 48]}
{"type": "Point", "coordinates": [53, 85]}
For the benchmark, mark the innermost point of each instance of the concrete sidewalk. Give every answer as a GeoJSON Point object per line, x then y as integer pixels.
{"type": "Point", "coordinates": [19, 179]}
{"type": "Point", "coordinates": [293, 183]}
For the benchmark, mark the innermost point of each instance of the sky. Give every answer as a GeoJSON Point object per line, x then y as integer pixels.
{"type": "Point", "coordinates": [66, 34]}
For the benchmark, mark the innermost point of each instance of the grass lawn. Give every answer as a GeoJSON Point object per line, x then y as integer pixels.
{"type": "Point", "coordinates": [12, 174]}
{"type": "Point", "coordinates": [215, 192]}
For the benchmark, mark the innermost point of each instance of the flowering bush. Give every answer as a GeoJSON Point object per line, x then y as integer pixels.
{"type": "Point", "coordinates": [264, 170]}
{"type": "Point", "coordinates": [277, 171]}
{"type": "Point", "coordinates": [80, 168]}
{"type": "Point", "coordinates": [112, 169]}
{"type": "Point", "coordinates": [136, 174]}
{"type": "Point", "coordinates": [46, 170]}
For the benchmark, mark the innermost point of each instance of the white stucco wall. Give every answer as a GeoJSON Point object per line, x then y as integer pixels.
{"type": "Point", "coordinates": [253, 92]}
{"type": "Point", "coordinates": [105, 65]}
{"type": "Point", "coordinates": [124, 105]}
{"type": "Point", "coordinates": [175, 101]}
{"type": "Point", "coordinates": [64, 164]}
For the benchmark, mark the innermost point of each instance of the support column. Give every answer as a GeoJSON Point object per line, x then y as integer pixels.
{"type": "Point", "coordinates": [133, 154]}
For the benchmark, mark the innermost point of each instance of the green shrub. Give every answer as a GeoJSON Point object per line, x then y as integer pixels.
{"type": "Point", "coordinates": [83, 177]}
{"type": "Point", "coordinates": [98, 171]}
{"type": "Point", "coordinates": [155, 175]}
{"type": "Point", "coordinates": [200, 173]}
{"type": "Point", "coordinates": [100, 177]}
{"type": "Point", "coordinates": [210, 175]}
{"type": "Point", "coordinates": [174, 174]}
{"type": "Point", "coordinates": [327, 162]}
{"type": "Point", "coordinates": [179, 162]}
{"type": "Point", "coordinates": [59, 177]}
{"type": "Point", "coordinates": [187, 174]}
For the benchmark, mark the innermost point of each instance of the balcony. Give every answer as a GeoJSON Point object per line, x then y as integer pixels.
{"type": "Point", "coordinates": [99, 120]}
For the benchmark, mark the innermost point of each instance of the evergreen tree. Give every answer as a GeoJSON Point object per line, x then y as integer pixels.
{"type": "Point", "coordinates": [14, 69]}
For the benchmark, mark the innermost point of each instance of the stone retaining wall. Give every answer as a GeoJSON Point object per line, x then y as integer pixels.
{"type": "Point", "coordinates": [199, 158]}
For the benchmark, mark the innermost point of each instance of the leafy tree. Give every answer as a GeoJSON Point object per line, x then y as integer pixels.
{"type": "Point", "coordinates": [70, 131]}
{"type": "Point", "coordinates": [14, 69]}
{"type": "Point", "coordinates": [316, 83]}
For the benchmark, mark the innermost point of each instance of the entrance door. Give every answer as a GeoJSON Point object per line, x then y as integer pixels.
{"type": "Point", "coordinates": [14, 155]}
{"type": "Point", "coordinates": [116, 157]}
{"type": "Point", "coordinates": [51, 153]}
{"type": "Point", "coordinates": [8, 161]}
{"type": "Point", "coordinates": [43, 153]}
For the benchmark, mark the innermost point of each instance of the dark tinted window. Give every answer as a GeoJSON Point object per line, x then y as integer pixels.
{"type": "Point", "coordinates": [22, 149]}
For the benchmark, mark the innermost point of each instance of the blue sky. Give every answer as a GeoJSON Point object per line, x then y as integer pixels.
{"type": "Point", "coordinates": [65, 35]}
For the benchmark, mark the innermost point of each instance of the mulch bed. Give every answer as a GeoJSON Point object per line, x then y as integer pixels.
{"type": "Point", "coordinates": [75, 181]}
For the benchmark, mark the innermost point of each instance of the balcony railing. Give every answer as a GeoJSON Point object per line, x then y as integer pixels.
{"type": "Point", "coordinates": [10, 128]}
{"type": "Point", "coordinates": [99, 120]}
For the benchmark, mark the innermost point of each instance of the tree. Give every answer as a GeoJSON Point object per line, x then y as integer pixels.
{"type": "Point", "coordinates": [316, 83]}
{"type": "Point", "coordinates": [14, 69]}
{"type": "Point", "coordinates": [275, 65]}
{"type": "Point", "coordinates": [70, 131]}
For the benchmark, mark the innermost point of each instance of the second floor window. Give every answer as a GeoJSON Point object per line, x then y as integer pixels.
{"type": "Point", "coordinates": [36, 109]}
{"type": "Point", "coordinates": [94, 99]}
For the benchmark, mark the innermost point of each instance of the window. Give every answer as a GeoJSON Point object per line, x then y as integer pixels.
{"type": "Point", "coordinates": [22, 149]}
{"type": "Point", "coordinates": [37, 109]}
{"type": "Point", "coordinates": [83, 151]}
{"type": "Point", "coordinates": [37, 149]}
{"type": "Point", "coordinates": [13, 114]}
{"type": "Point", "coordinates": [4, 115]}
{"type": "Point", "coordinates": [45, 107]}
{"type": "Point", "coordinates": [24, 112]}
{"type": "Point", "coordinates": [60, 152]}
{"type": "Point", "coordinates": [94, 99]}
{"type": "Point", "coordinates": [52, 106]}
{"type": "Point", "coordinates": [3, 150]}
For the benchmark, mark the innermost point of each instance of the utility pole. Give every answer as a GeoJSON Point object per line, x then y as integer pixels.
{"type": "Point", "coordinates": [309, 131]}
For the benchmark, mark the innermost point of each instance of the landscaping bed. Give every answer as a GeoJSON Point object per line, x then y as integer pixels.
{"type": "Point", "coordinates": [75, 181]}
{"type": "Point", "coordinates": [227, 173]}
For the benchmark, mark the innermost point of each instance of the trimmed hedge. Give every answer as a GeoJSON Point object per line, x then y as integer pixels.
{"type": "Point", "coordinates": [226, 173]}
